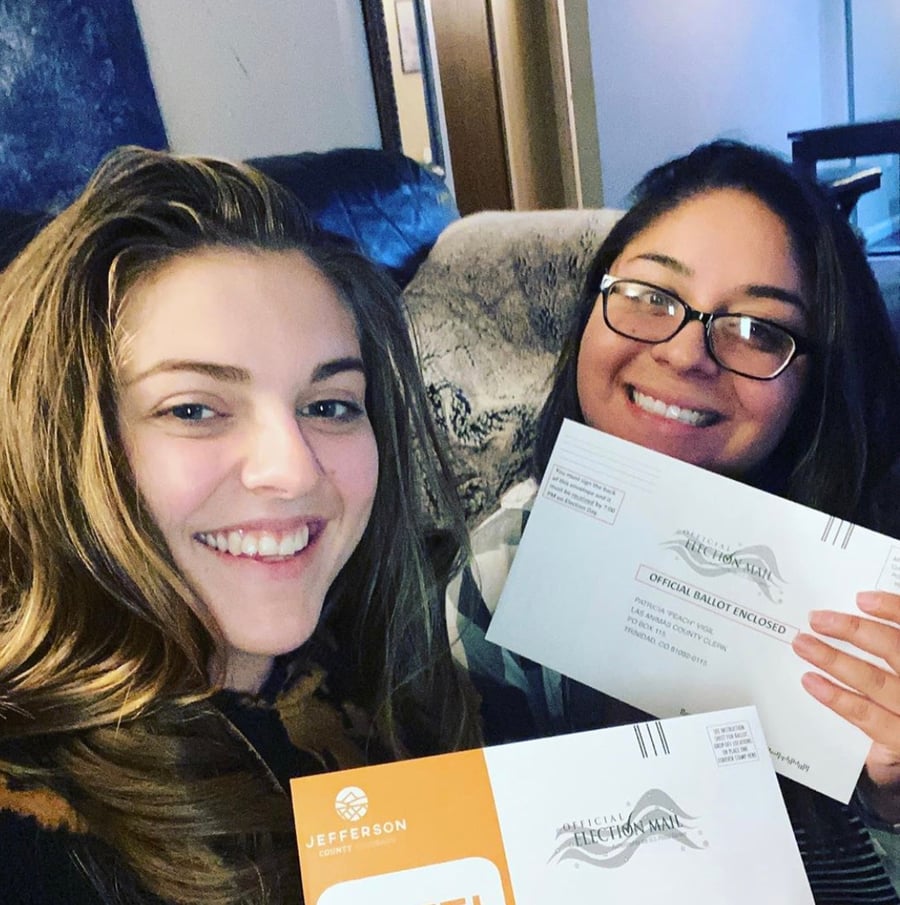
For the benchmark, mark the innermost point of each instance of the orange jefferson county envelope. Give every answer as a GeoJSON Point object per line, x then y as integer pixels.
{"type": "Point", "coordinates": [686, 809]}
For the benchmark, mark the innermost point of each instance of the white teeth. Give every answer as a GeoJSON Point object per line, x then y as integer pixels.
{"type": "Point", "coordinates": [285, 548]}
{"type": "Point", "coordinates": [257, 545]}
{"type": "Point", "coordinates": [248, 545]}
{"type": "Point", "coordinates": [268, 546]}
{"type": "Point", "coordinates": [672, 412]}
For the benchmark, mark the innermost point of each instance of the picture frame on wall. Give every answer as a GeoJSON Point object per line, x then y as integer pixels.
{"type": "Point", "coordinates": [408, 35]}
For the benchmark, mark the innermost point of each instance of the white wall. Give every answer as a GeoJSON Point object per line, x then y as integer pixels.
{"type": "Point", "coordinates": [833, 64]}
{"type": "Point", "coordinates": [669, 75]}
{"type": "Point", "coordinates": [410, 90]}
{"type": "Point", "coordinates": [876, 58]}
{"type": "Point", "coordinates": [876, 83]}
{"type": "Point", "coordinates": [244, 78]}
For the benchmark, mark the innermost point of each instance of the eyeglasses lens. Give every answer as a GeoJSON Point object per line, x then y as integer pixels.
{"type": "Point", "coordinates": [643, 313]}
{"type": "Point", "coordinates": [750, 346]}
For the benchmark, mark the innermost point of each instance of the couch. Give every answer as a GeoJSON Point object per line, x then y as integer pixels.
{"type": "Point", "coordinates": [490, 307]}
{"type": "Point", "coordinates": [393, 208]}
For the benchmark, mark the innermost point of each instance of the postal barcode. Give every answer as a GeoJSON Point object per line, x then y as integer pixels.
{"type": "Point", "coordinates": [837, 532]}
{"type": "Point", "coordinates": [651, 739]}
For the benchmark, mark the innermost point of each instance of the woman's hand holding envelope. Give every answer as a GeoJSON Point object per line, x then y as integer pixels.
{"type": "Point", "coordinates": [865, 694]}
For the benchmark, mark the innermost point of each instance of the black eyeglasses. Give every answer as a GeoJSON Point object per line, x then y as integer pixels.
{"type": "Point", "coordinates": [750, 346]}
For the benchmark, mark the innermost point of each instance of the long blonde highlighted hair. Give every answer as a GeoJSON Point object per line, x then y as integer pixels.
{"type": "Point", "coordinates": [104, 659]}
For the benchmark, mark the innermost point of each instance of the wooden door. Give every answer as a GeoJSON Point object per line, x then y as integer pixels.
{"type": "Point", "coordinates": [464, 44]}
{"type": "Point", "coordinates": [520, 126]}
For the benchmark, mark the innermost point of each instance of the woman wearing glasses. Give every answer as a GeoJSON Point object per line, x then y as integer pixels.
{"type": "Point", "coordinates": [730, 320]}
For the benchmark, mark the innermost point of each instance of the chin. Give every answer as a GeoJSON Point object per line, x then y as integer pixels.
{"type": "Point", "coordinates": [272, 642]}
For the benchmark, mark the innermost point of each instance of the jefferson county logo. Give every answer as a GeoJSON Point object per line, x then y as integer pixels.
{"type": "Point", "coordinates": [611, 840]}
{"type": "Point", "coordinates": [352, 804]}
{"type": "Point", "coordinates": [708, 558]}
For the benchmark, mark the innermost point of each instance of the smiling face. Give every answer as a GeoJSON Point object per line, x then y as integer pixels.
{"type": "Point", "coordinates": [242, 411]}
{"type": "Point", "coordinates": [721, 251]}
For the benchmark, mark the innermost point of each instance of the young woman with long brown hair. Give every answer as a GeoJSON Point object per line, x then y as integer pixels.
{"type": "Point", "coordinates": [218, 472]}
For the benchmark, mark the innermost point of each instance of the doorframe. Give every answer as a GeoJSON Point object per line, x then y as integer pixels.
{"type": "Point", "coordinates": [382, 79]}
{"type": "Point", "coordinates": [383, 83]}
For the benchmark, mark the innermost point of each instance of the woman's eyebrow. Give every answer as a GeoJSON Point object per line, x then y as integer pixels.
{"type": "Point", "coordinates": [234, 374]}
{"type": "Point", "coordinates": [775, 292]}
{"type": "Point", "coordinates": [337, 366]}
{"type": "Point", "coordinates": [666, 261]}
{"type": "Point", "coordinates": [226, 373]}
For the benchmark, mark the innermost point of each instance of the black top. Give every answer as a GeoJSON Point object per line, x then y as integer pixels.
{"type": "Point", "coordinates": [48, 855]}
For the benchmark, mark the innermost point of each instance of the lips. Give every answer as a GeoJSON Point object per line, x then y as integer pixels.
{"type": "Point", "coordinates": [260, 544]}
{"type": "Point", "coordinates": [680, 414]}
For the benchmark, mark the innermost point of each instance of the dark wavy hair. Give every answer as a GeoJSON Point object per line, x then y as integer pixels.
{"type": "Point", "coordinates": [103, 651]}
{"type": "Point", "coordinates": [844, 435]}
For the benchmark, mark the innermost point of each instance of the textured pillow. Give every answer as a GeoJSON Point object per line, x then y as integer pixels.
{"type": "Point", "coordinates": [491, 306]}
{"type": "Point", "coordinates": [390, 206]}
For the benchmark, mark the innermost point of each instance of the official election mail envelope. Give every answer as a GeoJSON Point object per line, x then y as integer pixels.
{"type": "Point", "coordinates": [679, 591]}
{"type": "Point", "coordinates": [683, 811]}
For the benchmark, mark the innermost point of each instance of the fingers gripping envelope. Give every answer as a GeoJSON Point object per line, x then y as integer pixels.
{"type": "Point", "coordinates": [679, 591]}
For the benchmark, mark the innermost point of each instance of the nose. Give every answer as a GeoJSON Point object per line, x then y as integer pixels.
{"type": "Point", "coordinates": [279, 459]}
{"type": "Point", "coordinates": [686, 352]}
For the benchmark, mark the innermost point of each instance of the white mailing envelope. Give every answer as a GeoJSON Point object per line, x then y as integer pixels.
{"type": "Point", "coordinates": [679, 591]}
{"type": "Point", "coordinates": [682, 811]}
